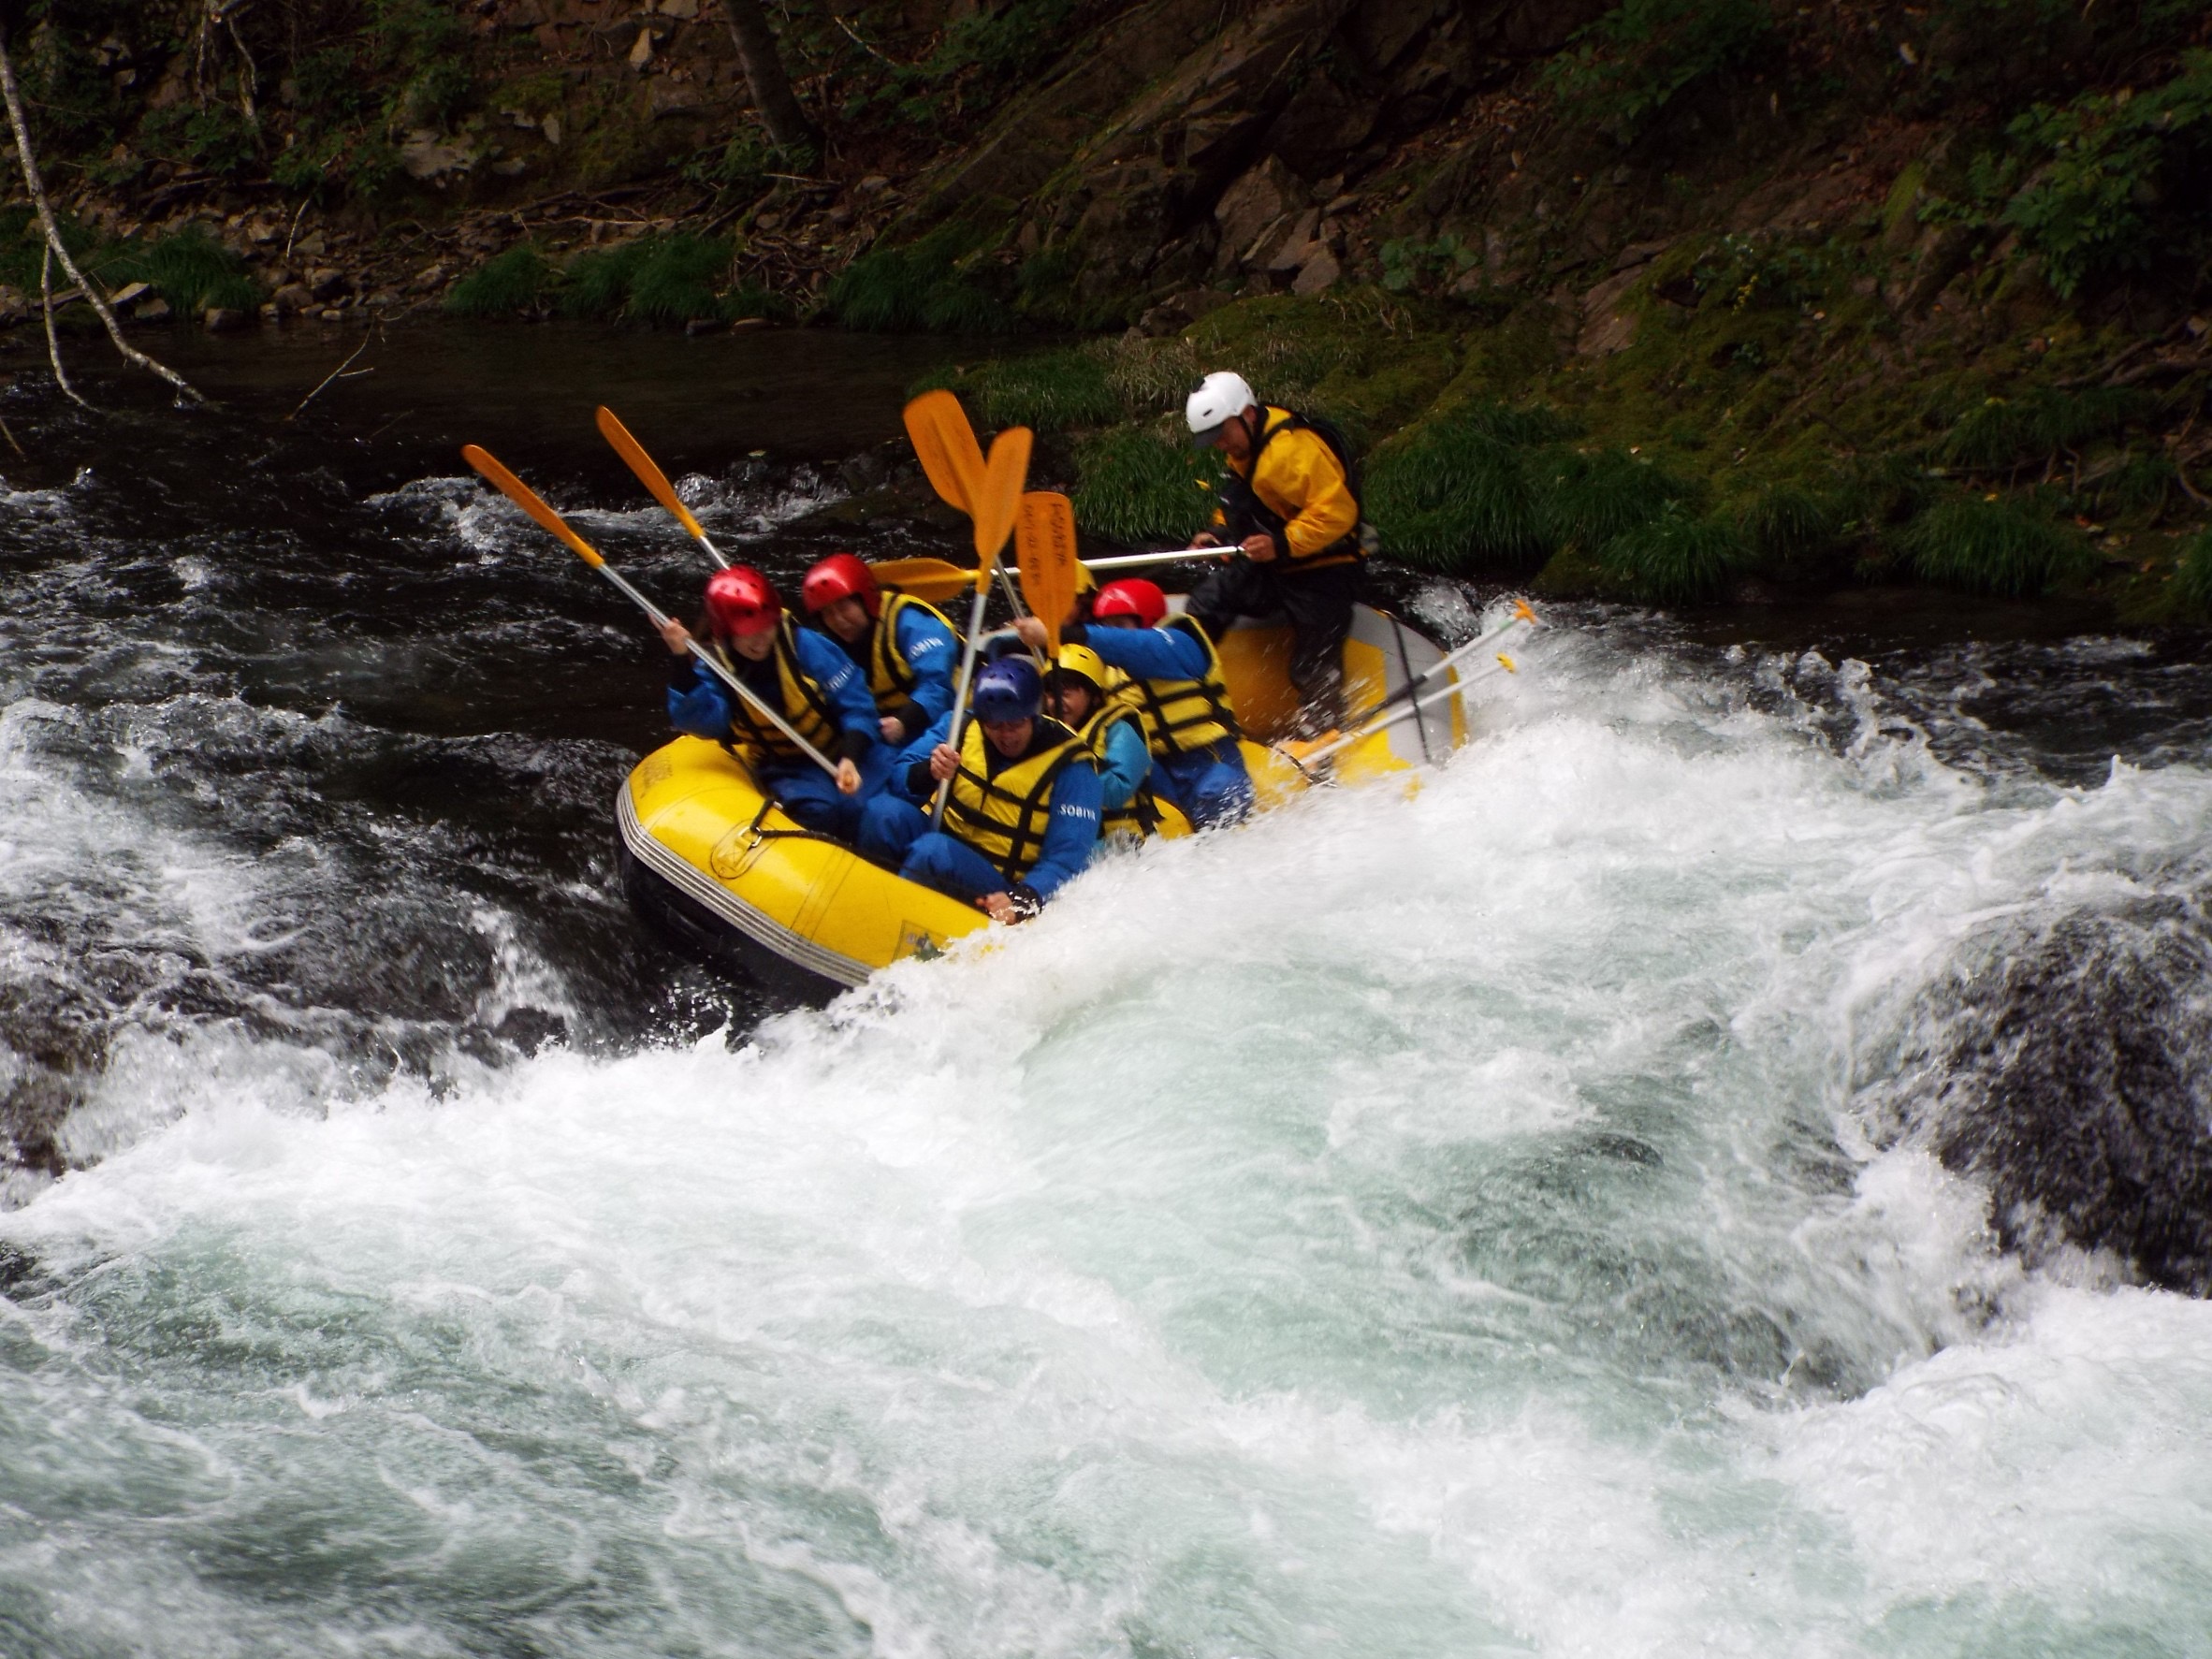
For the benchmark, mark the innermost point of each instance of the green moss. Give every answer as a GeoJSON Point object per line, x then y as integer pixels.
{"type": "Point", "coordinates": [508, 285]}
{"type": "Point", "coordinates": [1993, 546]}
{"type": "Point", "coordinates": [1137, 484]}
{"type": "Point", "coordinates": [2004, 433]}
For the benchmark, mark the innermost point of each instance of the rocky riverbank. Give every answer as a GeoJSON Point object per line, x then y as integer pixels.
{"type": "Point", "coordinates": [1660, 300]}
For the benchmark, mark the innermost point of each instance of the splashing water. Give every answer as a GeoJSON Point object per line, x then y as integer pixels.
{"type": "Point", "coordinates": [1484, 1222]}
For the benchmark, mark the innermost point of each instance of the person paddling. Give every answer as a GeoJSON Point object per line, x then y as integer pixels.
{"type": "Point", "coordinates": [795, 670]}
{"type": "Point", "coordinates": [1101, 708]}
{"type": "Point", "coordinates": [1021, 816]}
{"type": "Point", "coordinates": [905, 646]}
{"type": "Point", "coordinates": [1291, 502]}
{"type": "Point", "coordinates": [1180, 692]}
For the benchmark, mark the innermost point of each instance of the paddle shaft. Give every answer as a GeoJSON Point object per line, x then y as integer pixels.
{"type": "Point", "coordinates": [1449, 660]}
{"type": "Point", "coordinates": [660, 619]}
{"type": "Point", "coordinates": [1132, 561]}
{"type": "Point", "coordinates": [1407, 712]}
{"type": "Point", "coordinates": [968, 656]}
{"type": "Point", "coordinates": [656, 482]}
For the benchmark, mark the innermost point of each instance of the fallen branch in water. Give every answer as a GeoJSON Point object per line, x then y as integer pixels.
{"type": "Point", "coordinates": [337, 373]}
{"type": "Point", "coordinates": [55, 249]}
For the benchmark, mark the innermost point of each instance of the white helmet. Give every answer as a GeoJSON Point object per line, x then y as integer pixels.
{"type": "Point", "coordinates": [1220, 397]}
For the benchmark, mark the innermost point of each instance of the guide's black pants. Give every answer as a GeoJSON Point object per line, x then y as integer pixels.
{"type": "Point", "coordinates": [1319, 606]}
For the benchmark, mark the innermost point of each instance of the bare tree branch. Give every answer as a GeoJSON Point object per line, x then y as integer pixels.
{"type": "Point", "coordinates": [54, 340]}
{"type": "Point", "coordinates": [36, 186]}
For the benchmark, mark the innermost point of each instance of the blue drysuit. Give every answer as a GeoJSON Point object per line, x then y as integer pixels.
{"type": "Point", "coordinates": [1210, 784]}
{"type": "Point", "coordinates": [1127, 762]}
{"type": "Point", "coordinates": [700, 704]}
{"type": "Point", "coordinates": [894, 830]}
{"type": "Point", "coordinates": [932, 650]}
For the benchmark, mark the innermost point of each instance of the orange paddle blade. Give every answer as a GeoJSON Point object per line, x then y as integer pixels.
{"type": "Point", "coordinates": [528, 500]}
{"type": "Point", "coordinates": [1000, 498]}
{"type": "Point", "coordinates": [946, 445]}
{"type": "Point", "coordinates": [648, 470]}
{"type": "Point", "coordinates": [932, 579]}
{"type": "Point", "coordinates": [1044, 547]}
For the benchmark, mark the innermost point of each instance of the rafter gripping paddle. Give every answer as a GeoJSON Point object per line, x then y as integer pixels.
{"type": "Point", "coordinates": [531, 503]}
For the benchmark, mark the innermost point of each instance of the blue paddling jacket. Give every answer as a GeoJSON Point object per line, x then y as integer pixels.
{"type": "Point", "coordinates": [808, 679]}
{"type": "Point", "coordinates": [1069, 806]}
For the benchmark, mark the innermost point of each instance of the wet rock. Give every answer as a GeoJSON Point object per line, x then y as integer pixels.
{"type": "Point", "coordinates": [2068, 1064]}
{"type": "Point", "coordinates": [1320, 272]}
{"type": "Point", "coordinates": [14, 306]}
{"type": "Point", "coordinates": [425, 155]}
{"type": "Point", "coordinates": [292, 297]}
{"type": "Point", "coordinates": [1607, 327]}
{"type": "Point", "coordinates": [224, 319]}
{"type": "Point", "coordinates": [124, 298]}
{"type": "Point", "coordinates": [155, 309]}
{"type": "Point", "coordinates": [327, 282]}
{"type": "Point", "coordinates": [1255, 204]}
{"type": "Point", "coordinates": [1941, 255]}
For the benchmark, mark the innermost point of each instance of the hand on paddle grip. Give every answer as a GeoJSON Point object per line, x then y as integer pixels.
{"type": "Point", "coordinates": [676, 636]}
{"type": "Point", "coordinates": [944, 760]}
{"type": "Point", "coordinates": [1260, 549]}
{"type": "Point", "coordinates": [848, 776]}
{"type": "Point", "coordinates": [1032, 632]}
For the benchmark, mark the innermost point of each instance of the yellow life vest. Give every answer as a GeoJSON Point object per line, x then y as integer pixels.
{"type": "Point", "coordinates": [806, 706]}
{"type": "Point", "coordinates": [1139, 814]}
{"type": "Point", "coordinates": [1004, 817]}
{"type": "Point", "coordinates": [890, 675]}
{"type": "Point", "coordinates": [1181, 714]}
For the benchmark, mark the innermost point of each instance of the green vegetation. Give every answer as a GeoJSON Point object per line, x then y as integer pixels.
{"type": "Point", "coordinates": [655, 280]}
{"type": "Point", "coordinates": [1050, 391]}
{"type": "Point", "coordinates": [1674, 557]}
{"type": "Point", "coordinates": [512, 284]}
{"type": "Point", "coordinates": [191, 269]}
{"type": "Point", "coordinates": [2006, 434]}
{"type": "Point", "coordinates": [2193, 576]}
{"type": "Point", "coordinates": [1141, 483]}
{"type": "Point", "coordinates": [1993, 545]}
{"type": "Point", "coordinates": [919, 287]}
{"type": "Point", "coordinates": [1467, 491]}
{"type": "Point", "coordinates": [1625, 70]}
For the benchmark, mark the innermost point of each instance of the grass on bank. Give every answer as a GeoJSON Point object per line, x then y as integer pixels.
{"type": "Point", "coordinates": [1995, 546]}
{"type": "Point", "coordinates": [188, 267]}
{"type": "Point", "coordinates": [657, 280]}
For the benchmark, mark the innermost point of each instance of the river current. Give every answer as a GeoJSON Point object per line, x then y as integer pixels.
{"type": "Point", "coordinates": [1666, 1187]}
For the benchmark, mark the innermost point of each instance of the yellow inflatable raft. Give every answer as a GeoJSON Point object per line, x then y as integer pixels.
{"type": "Point", "coordinates": [712, 860]}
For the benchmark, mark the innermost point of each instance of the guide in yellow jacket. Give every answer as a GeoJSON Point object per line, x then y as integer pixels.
{"type": "Point", "coordinates": [1291, 504]}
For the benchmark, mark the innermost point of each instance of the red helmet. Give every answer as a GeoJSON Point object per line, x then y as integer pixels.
{"type": "Point", "coordinates": [741, 601]}
{"type": "Point", "coordinates": [1133, 596]}
{"type": "Point", "coordinates": [841, 575]}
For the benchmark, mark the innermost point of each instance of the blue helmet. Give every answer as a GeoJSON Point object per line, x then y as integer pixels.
{"type": "Point", "coordinates": [1008, 689]}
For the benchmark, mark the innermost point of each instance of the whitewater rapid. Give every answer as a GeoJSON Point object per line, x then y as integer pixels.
{"type": "Point", "coordinates": [1476, 1223]}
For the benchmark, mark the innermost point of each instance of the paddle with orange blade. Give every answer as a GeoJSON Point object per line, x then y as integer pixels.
{"type": "Point", "coordinates": [933, 579]}
{"type": "Point", "coordinates": [1044, 548]}
{"type": "Point", "coordinates": [656, 481]}
{"type": "Point", "coordinates": [990, 493]}
{"type": "Point", "coordinates": [531, 503]}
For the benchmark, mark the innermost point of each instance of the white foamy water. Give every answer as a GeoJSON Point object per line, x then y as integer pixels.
{"type": "Point", "coordinates": [1402, 1227]}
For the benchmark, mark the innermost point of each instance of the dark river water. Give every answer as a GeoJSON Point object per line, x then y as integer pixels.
{"type": "Point", "coordinates": [1722, 1170]}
